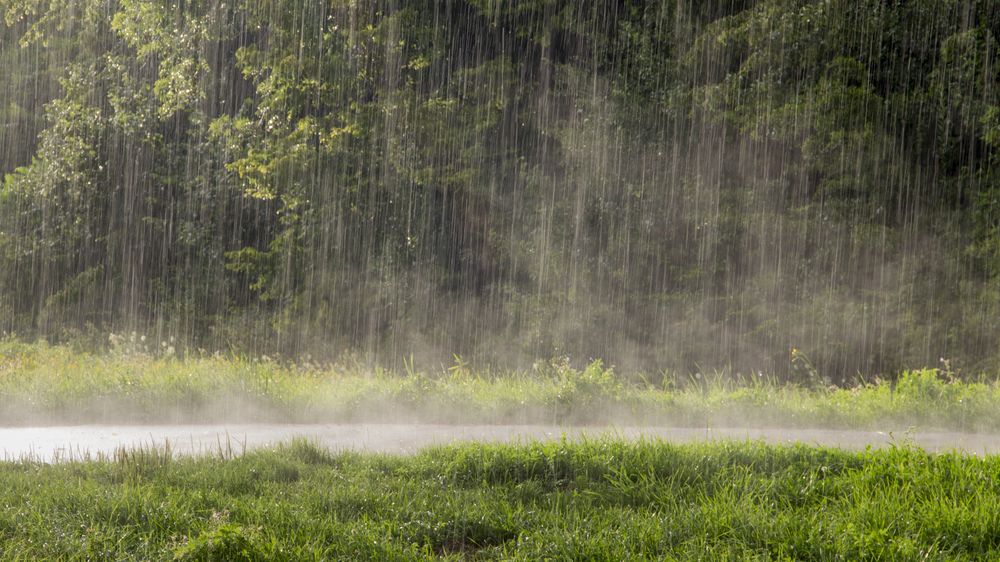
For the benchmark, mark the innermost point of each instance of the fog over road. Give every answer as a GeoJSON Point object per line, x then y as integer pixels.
{"type": "Point", "coordinates": [68, 442]}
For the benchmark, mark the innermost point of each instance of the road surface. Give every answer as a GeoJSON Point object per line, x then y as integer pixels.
{"type": "Point", "coordinates": [80, 441]}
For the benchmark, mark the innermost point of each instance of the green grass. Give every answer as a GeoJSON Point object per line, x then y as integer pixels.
{"type": "Point", "coordinates": [589, 500]}
{"type": "Point", "coordinates": [41, 383]}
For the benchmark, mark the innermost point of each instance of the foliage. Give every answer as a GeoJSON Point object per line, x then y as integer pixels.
{"type": "Point", "coordinates": [667, 185]}
{"type": "Point", "coordinates": [224, 542]}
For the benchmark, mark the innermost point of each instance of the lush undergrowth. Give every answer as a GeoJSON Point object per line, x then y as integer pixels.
{"type": "Point", "coordinates": [41, 383]}
{"type": "Point", "coordinates": [598, 500]}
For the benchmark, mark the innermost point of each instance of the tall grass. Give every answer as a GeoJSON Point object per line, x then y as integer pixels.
{"type": "Point", "coordinates": [44, 384]}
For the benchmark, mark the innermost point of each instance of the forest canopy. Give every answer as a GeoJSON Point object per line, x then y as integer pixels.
{"type": "Point", "coordinates": [769, 185]}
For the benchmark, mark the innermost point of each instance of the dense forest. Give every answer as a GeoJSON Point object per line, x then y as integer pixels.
{"type": "Point", "coordinates": [793, 186]}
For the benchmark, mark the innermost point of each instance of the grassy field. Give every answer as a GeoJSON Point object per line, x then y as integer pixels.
{"type": "Point", "coordinates": [588, 500]}
{"type": "Point", "coordinates": [597, 500]}
{"type": "Point", "coordinates": [44, 384]}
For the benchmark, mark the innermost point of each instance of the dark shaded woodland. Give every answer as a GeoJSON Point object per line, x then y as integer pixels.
{"type": "Point", "coordinates": [666, 184]}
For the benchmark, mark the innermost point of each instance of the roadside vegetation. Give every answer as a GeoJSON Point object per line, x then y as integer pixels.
{"type": "Point", "coordinates": [589, 500]}
{"type": "Point", "coordinates": [40, 383]}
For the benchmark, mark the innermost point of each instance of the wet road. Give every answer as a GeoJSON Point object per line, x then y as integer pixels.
{"type": "Point", "coordinates": [64, 442]}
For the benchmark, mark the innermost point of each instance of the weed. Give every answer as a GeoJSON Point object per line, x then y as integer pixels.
{"type": "Point", "coordinates": [224, 542]}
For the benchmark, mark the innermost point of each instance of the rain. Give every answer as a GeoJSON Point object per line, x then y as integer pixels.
{"type": "Point", "coordinates": [499, 279]}
{"type": "Point", "coordinates": [670, 186]}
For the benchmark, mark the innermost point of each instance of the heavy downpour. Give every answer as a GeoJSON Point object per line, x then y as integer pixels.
{"type": "Point", "coordinates": [660, 247]}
